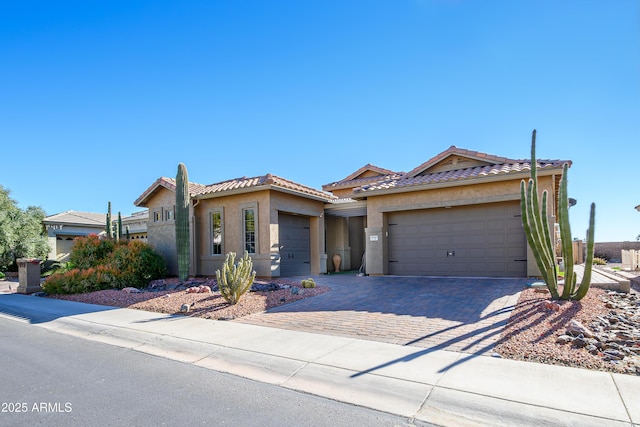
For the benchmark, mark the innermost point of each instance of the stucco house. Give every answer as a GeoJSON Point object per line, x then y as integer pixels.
{"type": "Point", "coordinates": [64, 227]}
{"type": "Point", "coordinates": [457, 214]}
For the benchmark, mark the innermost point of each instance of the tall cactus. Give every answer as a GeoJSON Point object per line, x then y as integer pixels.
{"type": "Point", "coordinates": [108, 225]}
{"type": "Point", "coordinates": [119, 232]}
{"type": "Point", "coordinates": [235, 279]}
{"type": "Point", "coordinates": [536, 227]}
{"type": "Point", "coordinates": [182, 222]}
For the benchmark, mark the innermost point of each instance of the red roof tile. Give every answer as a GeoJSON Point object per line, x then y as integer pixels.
{"type": "Point", "coordinates": [500, 169]}
{"type": "Point", "coordinates": [233, 185]}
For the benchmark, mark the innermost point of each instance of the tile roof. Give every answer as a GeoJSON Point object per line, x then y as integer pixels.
{"type": "Point", "coordinates": [200, 191]}
{"type": "Point", "coordinates": [79, 218]}
{"type": "Point", "coordinates": [269, 180]}
{"type": "Point", "coordinates": [453, 150]}
{"type": "Point", "coordinates": [499, 169]}
{"type": "Point", "coordinates": [353, 180]}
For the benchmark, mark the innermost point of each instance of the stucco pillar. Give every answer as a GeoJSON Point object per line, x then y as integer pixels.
{"type": "Point", "coordinates": [28, 275]}
{"type": "Point", "coordinates": [318, 255]}
{"type": "Point", "coordinates": [374, 251]}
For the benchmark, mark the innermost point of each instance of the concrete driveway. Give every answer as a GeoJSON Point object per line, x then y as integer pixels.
{"type": "Point", "coordinates": [458, 314]}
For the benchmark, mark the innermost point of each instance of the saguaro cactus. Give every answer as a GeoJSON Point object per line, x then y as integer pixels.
{"type": "Point", "coordinates": [182, 221]}
{"type": "Point", "coordinates": [235, 279]}
{"type": "Point", "coordinates": [119, 232]}
{"type": "Point", "coordinates": [536, 227]}
{"type": "Point", "coordinates": [108, 225]}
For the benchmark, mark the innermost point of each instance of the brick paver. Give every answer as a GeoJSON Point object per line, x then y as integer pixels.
{"type": "Point", "coordinates": [459, 314]}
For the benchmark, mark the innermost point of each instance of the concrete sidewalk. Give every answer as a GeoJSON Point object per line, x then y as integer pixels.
{"type": "Point", "coordinates": [421, 384]}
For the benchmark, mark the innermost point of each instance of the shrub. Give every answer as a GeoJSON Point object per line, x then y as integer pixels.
{"type": "Point", "coordinates": [50, 266]}
{"type": "Point", "coordinates": [235, 279]}
{"type": "Point", "coordinates": [90, 251]}
{"type": "Point", "coordinates": [120, 265]}
{"type": "Point", "coordinates": [1, 275]}
{"type": "Point", "coordinates": [137, 263]}
{"type": "Point", "coordinates": [601, 255]}
{"type": "Point", "coordinates": [78, 281]}
{"type": "Point", "coordinates": [599, 261]}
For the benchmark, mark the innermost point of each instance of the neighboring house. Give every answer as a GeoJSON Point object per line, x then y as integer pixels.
{"type": "Point", "coordinates": [137, 224]}
{"type": "Point", "coordinates": [62, 228]}
{"type": "Point", "coordinates": [458, 214]}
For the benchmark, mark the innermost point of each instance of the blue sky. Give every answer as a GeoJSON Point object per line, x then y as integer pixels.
{"type": "Point", "coordinates": [100, 98]}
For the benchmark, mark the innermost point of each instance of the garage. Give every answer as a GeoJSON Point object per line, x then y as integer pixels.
{"type": "Point", "coordinates": [474, 241]}
{"type": "Point", "coordinates": [64, 244]}
{"type": "Point", "coordinates": [295, 252]}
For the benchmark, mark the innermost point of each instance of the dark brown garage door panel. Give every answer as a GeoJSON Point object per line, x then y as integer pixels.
{"type": "Point", "coordinates": [295, 248]}
{"type": "Point", "coordinates": [476, 240]}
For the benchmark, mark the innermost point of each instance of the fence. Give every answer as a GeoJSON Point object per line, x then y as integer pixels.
{"type": "Point", "coordinates": [631, 260]}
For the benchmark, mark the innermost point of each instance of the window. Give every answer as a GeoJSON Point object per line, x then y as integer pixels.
{"type": "Point", "coordinates": [249, 225]}
{"type": "Point", "coordinates": [217, 233]}
{"type": "Point", "coordinates": [169, 214]}
{"type": "Point", "coordinates": [157, 217]}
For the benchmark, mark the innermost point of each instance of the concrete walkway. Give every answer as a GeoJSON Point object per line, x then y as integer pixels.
{"type": "Point", "coordinates": [422, 384]}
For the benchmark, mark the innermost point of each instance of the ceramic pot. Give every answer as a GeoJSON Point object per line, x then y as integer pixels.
{"type": "Point", "coordinates": [336, 262]}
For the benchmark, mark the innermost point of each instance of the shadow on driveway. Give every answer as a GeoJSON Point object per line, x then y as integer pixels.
{"type": "Point", "coordinates": [458, 314]}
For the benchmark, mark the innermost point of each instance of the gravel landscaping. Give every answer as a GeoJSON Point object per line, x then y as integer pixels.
{"type": "Point", "coordinates": [537, 329]}
{"type": "Point", "coordinates": [170, 296]}
{"type": "Point", "coordinates": [540, 330]}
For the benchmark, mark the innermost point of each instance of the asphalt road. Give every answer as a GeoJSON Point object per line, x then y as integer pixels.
{"type": "Point", "coordinates": [50, 379]}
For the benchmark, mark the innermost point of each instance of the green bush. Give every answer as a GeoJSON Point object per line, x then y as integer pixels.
{"type": "Point", "coordinates": [601, 255]}
{"type": "Point", "coordinates": [137, 263]}
{"type": "Point", "coordinates": [90, 251]}
{"type": "Point", "coordinates": [97, 265]}
{"type": "Point", "coordinates": [599, 261]}
{"type": "Point", "coordinates": [80, 281]}
{"type": "Point", "coordinates": [1, 275]}
{"type": "Point", "coordinates": [50, 266]}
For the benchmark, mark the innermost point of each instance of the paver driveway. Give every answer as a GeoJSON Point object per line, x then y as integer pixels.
{"type": "Point", "coordinates": [458, 314]}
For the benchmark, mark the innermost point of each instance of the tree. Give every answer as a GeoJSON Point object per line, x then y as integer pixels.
{"type": "Point", "coordinates": [21, 232]}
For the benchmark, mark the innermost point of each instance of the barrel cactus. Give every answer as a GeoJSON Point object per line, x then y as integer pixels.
{"type": "Point", "coordinates": [536, 227]}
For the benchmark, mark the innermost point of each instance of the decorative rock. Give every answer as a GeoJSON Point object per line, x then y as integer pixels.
{"type": "Point", "coordinates": [592, 349]}
{"type": "Point", "coordinates": [131, 290]}
{"type": "Point", "coordinates": [203, 289]}
{"type": "Point", "coordinates": [612, 354]}
{"type": "Point", "coordinates": [576, 328]}
{"type": "Point", "coordinates": [579, 341]}
{"type": "Point", "coordinates": [193, 290]}
{"type": "Point", "coordinates": [552, 306]}
{"type": "Point", "coordinates": [184, 308]}
{"type": "Point", "coordinates": [264, 287]}
{"type": "Point", "coordinates": [564, 339]}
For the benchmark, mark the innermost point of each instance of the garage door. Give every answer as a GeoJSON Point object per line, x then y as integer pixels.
{"type": "Point", "coordinates": [476, 240]}
{"type": "Point", "coordinates": [295, 254]}
{"type": "Point", "coordinates": [64, 244]}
